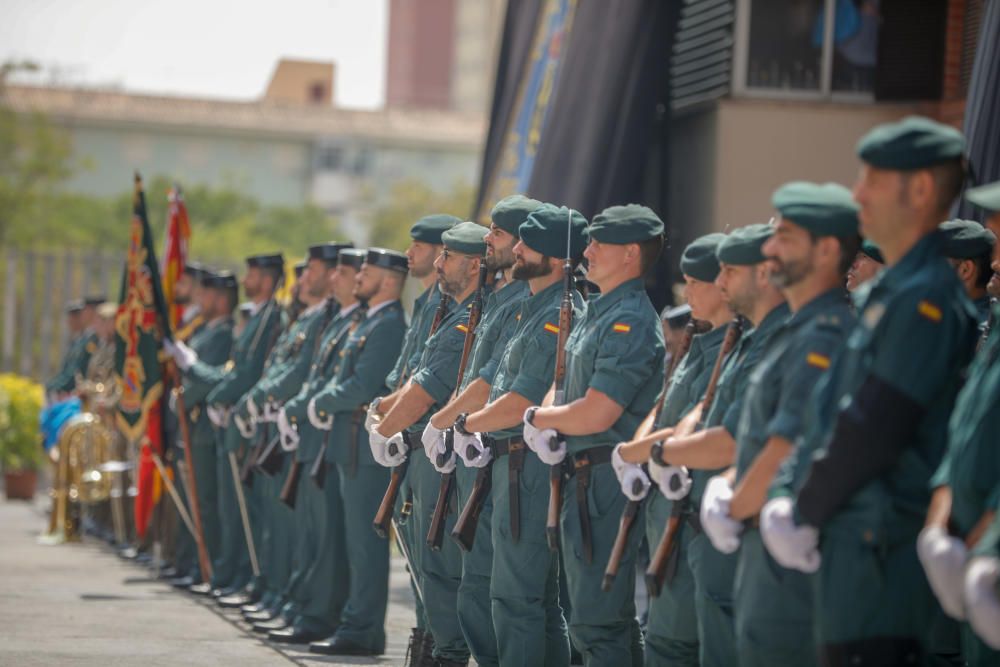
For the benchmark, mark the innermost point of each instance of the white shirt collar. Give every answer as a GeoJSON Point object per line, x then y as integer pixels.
{"type": "Point", "coordinates": [313, 308]}
{"type": "Point", "coordinates": [376, 308]}
{"type": "Point", "coordinates": [348, 309]}
{"type": "Point", "coordinates": [255, 307]}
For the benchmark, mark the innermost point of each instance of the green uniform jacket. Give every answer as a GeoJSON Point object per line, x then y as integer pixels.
{"type": "Point", "coordinates": [424, 308]}
{"type": "Point", "coordinates": [358, 377]}
{"type": "Point", "coordinates": [618, 350]}
{"type": "Point", "coordinates": [500, 313]}
{"type": "Point", "coordinates": [213, 343]}
{"type": "Point", "coordinates": [74, 363]}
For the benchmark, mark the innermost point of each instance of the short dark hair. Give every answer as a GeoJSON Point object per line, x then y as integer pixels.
{"type": "Point", "coordinates": [948, 178]}
{"type": "Point", "coordinates": [849, 247]}
{"type": "Point", "coordinates": [649, 252]}
{"type": "Point", "coordinates": [984, 267]}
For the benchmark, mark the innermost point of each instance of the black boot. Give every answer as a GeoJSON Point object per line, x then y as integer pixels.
{"type": "Point", "coordinates": [427, 652]}
{"type": "Point", "coordinates": [414, 647]}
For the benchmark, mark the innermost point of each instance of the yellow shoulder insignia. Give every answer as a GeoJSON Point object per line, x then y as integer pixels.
{"type": "Point", "coordinates": [621, 327]}
{"type": "Point", "coordinates": [929, 310]}
{"type": "Point", "coordinates": [818, 360]}
{"type": "Point", "coordinates": [551, 328]}
{"type": "Point", "coordinates": [462, 328]}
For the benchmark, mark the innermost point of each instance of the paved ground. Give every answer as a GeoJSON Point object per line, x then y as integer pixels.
{"type": "Point", "coordinates": [79, 604]}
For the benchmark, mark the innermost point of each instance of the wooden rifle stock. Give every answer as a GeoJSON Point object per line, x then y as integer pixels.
{"type": "Point", "coordinates": [464, 531]}
{"type": "Point", "coordinates": [246, 470]}
{"type": "Point", "coordinates": [317, 471]}
{"type": "Point", "coordinates": [291, 486]}
{"type": "Point", "coordinates": [657, 570]}
{"type": "Point", "coordinates": [383, 518]}
{"type": "Point", "coordinates": [269, 461]}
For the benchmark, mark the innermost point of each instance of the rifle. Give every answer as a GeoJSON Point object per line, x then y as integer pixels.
{"type": "Point", "coordinates": [328, 314]}
{"type": "Point", "coordinates": [692, 328]}
{"type": "Point", "coordinates": [291, 486]}
{"type": "Point", "coordinates": [559, 383]}
{"type": "Point", "coordinates": [435, 535]}
{"type": "Point", "coordinates": [656, 573]}
{"type": "Point", "coordinates": [384, 515]}
{"type": "Point", "coordinates": [317, 471]}
{"type": "Point", "coordinates": [268, 460]}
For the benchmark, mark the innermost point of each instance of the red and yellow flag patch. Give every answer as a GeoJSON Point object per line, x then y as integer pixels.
{"type": "Point", "coordinates": [818, 360]}
{"type": "Point", "coordinates": [551, 328]}
{"type": "Point", "coordinates": [620, 327]}
{"type": "Point", "coordinates": [462, 328]}
{"type": "Point", "coordinates": [929, 310]}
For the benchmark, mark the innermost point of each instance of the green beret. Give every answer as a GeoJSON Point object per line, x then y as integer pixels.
{"type": "Point", "coordinates": [742, 246]}
{"type": "Point", "coordinates": [545, 231]}
{"type": "Point", "coordinates": [430, 227]}
{"type": "Point", "coordinates": [966, 239]}
{"type": "Point", "coordinates": [625, 224]}
{"type": "Point", "coordinates": [825, 210]}
{"type": "Point", "coordinates": [468, 238]}
{"type": "Point", "coordinates": [912, 143]}
{"type": "Point", "coordinates": [510, 212]}
{"type": "Point", "coordinates": [699, 260]}
{"type": "Point", "coordinates": [871, 250]}
{"type": "Point", "coordinates": [985, 196]}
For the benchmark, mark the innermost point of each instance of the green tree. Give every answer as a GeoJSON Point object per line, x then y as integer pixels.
{"type": "Point", "coordinates": [410, 200]}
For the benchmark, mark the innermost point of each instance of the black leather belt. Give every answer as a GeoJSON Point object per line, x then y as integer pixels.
{"type": "Point", "coordinates": [579, 465]}
{"type": "Point", "coordinates": [515, 448]}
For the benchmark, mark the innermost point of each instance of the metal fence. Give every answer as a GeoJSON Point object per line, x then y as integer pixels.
{"type": "Point", "coordinates": [35, 286]}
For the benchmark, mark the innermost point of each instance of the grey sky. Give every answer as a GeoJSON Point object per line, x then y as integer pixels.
{"type": "Point", "coordinates": [212, 48]}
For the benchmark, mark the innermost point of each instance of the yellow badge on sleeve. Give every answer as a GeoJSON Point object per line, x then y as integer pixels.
{"type": "Point", "coordinates": [551, 328]}
{"type": "Point", "coordinates": [929, 310]}
{"type": "Point", "coordinates": [462, 328]}
{"type": "Point", "coordinates": [818, 360]}
{"type": "Point", "coordinates": [621, 328]}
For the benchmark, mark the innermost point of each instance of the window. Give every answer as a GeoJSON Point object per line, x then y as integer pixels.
{"type": "Point", "coordinates": [807, 48]}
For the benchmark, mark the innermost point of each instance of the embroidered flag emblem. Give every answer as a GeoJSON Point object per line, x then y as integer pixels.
{"type": "Point", "coordinates": [929, 310]}
{"type": "Point", "coordinates": [551, 328]}
{"type": "Point", "coordinates": [462, 328]}
{"type": "Point", "coordinates": [818, 360]}
{"type": "Point", "coordinates": [621, 328]}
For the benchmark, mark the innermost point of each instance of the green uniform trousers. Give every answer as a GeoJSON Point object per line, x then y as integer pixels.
{"type": "Point", "coordinates": [672, 628]}
{"type": "Point", "coordinates": [362, 620]}
{"type": "Point", "coordinates": [440, 572]}
{"type": "Point", "coordinates": [280, 518]}
{"type": "Point", "coordinates": [231, 569]}
{"type": "Point", "coordinates": [474, 613]}
{"type": "Point", "coordinates": [204, 474]}
{"type": "Point", "coordinates": [772, 608]}
{"type": "Point", "coordinates": [524, 591]}
{"type": "Point", "coordinates": [602, 626]}
{"type": "Point", "coordinates": [320, 584]}
{"type": "Point", "coordinates": [713, 573]}
{"type": "Point", "coordinates": [406, 535]}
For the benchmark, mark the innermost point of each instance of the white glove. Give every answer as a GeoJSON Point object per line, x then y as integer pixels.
{"type": "Point", "coordinates": [377, 443]}
{"type": "Point", "coordinates": [246, 428]}
{"type": "Point", "coordinates": [538, 441]}
{"type": "Point", "coordinates": [635, 485]}
{"type": "Point", "coordinates": [288, 436]}
{"type": "Point", "coordinates": [795, 547]}
{"type": "Point", "coordinates": [674, 481]}
{"type": "Point", "coordinates": [216, 415]}
{"type": "Point", "coordinates": [315, 419]}
{"type": "Point", "coordinates": [372, 417]}
{"type": "Point", "coordinates": [398, 445]}
{"type": "Point", "coordinates": [982, 604]}
{"type": "Point", "coordinates": [722, 530]}
{"type": "Point", "coordinates": [441, 451]}
{"type": "Point", "coordinates": [943, 558]}
{"type": "Point", "coordinates": [252, 408]}
{"type": "Point", "coordinates": [183, 355]}
{"type": "Point", "coordinates": [471, 449]}
{"type": "Point", "coordinates": [430, 439]}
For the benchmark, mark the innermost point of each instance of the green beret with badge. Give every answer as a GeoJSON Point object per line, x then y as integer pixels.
{"type": "Point", "coordinates": [870, 250]}
{"type": "Point", "coordinates": [914, 142]}
{"type": "Point", "coordinates": [699, 260]}
{"type": "Point", "coordinates": [966, 239]}
{"type": "Point", "coordinates": [511, 212]}
{"type": "Point", "coordinates": [826, 209]}
{"type": "Point", "coordinates": [631, 223]}
{"type": "Point", "coordinates": [429, 228]}
{"type": "Point", "coordinates": [545, 231]}
{"type": "Point", "coordinates": [742, 247]}
{"type": "Point", "coordinates": [985, 196]}
{"type": "Point", "coordinates": [467, 238]}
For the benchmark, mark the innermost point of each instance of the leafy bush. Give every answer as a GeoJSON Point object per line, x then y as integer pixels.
{"type": "Point", "coordinates": [20, 435]}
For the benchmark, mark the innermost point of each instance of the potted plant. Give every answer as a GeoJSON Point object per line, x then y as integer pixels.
{"type": "Point", "coordinates": [21, 452]}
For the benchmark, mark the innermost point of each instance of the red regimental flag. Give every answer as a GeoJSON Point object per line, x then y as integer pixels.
{"type": "Point", "coordinates": [175, 253]}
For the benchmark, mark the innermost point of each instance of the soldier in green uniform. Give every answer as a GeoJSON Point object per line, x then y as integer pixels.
{"type": "Point", "coordinates": [885, 403]}
{"type": "Point", "coordinates": [969, 248]}
{"type": "Point", "coordinates": [967, 485]}
{"type": "Point", "coordinates": [867, 263]}
{"type": "Point", "coordinates": [339, 409]}
{"type": "Point", "coordinates": [614, 368]}
{"type": "Point", "coordinates": [499, 318]}
{"type": "Point", "coordinates": [406, 413]}
{"type": "Point", "coordinates": [285, 371]}
{"type": "Point", "coordinates": [226, 384]}
{"type": "Point", "coordinates": [212, 343]}
{"type": "Point", "coordinates": [672, 626]}
{"type": "Point", "coordinates": [317, 585]}
{"type": "Point", "coordinates": [812, 246]}
{"type": "Point", "coordinates": [524, 579]}
{"type": "Point", "coordinates": [83, 343]}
